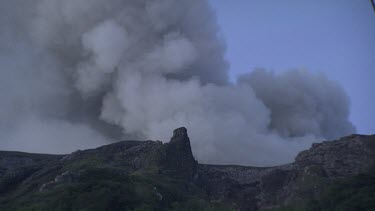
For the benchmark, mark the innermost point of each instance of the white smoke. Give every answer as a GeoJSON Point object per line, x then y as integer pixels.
{"type": "Point", "coordinates": [79, 73]}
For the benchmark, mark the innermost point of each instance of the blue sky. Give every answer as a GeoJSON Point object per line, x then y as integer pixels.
{"type": "Point", "coordinates": [334, 37]}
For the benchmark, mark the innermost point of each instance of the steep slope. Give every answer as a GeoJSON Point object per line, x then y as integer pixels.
{"type": "Point", "coordinates": [150, 175]}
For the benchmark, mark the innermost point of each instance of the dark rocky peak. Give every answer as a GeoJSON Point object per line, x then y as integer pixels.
{"type": "Point", "coordinates": [179, 156]}
{"type": "Point", "coordinates": [180, 132]}
{"type": "Point", "coordinates": [180, 142]}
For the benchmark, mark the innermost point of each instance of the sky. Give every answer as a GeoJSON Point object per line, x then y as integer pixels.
{"type": "Point", "coordinates": [333, 37]}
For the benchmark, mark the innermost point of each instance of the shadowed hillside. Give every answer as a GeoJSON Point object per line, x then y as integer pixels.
{"type": "Point", "coordinates": [150, 175]}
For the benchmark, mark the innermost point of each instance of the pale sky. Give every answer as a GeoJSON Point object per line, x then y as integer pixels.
{"type": "Point", "coordinates": [336, 37]}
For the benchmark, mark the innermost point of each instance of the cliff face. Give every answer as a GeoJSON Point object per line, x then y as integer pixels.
{"type": "Point", "coordinates": [136, 175]}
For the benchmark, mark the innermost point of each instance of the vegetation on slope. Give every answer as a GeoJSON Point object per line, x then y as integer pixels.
{"type": "Point", "coordinates": [349, 194]}
{"type": "Point", "coordinates": [108, 188]}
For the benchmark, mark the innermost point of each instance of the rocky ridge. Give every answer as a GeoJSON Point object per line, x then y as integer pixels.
{"type": "Point", "coordinates": [24, 175]}
{"type": "Point", "coordinates": [252, 188]}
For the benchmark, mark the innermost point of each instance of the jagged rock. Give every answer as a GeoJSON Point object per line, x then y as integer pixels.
{"type": "Point", "coordinates": [180, 158]}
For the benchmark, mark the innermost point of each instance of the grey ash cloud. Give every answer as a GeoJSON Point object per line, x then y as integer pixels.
{"type": "Point", "coordinates": [81, 73]}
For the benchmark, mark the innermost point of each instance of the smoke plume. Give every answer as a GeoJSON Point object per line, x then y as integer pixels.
{"type": "Point", "coordinates": [81, 73]}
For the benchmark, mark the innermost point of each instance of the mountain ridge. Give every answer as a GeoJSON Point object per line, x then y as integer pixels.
{"type": "Point", "coordinates": [170, 178]}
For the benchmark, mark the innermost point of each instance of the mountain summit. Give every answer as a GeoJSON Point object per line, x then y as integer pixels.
{"type": "Point", "coordinates": [150, 175]}
{"type": "Point", "coordinates": [180, 159]}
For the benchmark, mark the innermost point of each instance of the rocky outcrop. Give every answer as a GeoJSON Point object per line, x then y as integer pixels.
{"type": "Point", "coordinates": [245, 188]}
{"type": "Point", "coordinates": [249, 188]}
{"type": "Point", "coordinates": [179, 157]}
{"type": "Point", "coordinates": [340, 158]}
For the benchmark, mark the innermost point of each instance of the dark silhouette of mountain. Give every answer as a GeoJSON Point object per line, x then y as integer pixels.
{"type": "Point", "coordinates": [150, 175]}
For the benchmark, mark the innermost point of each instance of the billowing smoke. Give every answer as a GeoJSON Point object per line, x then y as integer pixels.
{"type": "Point", "coordinates": [81, 73]}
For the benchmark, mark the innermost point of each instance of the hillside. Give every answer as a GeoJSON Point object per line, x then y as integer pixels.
{"type": "Point", "coordinates": [150, 175]}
